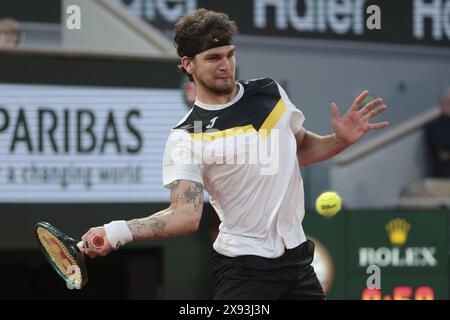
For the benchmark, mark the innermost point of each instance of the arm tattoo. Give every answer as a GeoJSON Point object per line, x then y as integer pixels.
{"type": "Point", "coordinates": [158, 226]}
{"type": "Point", "coordinates": [138, 227]}
{"type": "Point", "coordinates": [193, 195]}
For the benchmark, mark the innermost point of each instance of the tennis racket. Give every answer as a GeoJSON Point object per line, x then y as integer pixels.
{"type": "Point", "coordinates": [64, 253]}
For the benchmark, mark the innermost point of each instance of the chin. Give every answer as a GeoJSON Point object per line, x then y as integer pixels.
{"type": "Point", "coordinates": [226, 87]}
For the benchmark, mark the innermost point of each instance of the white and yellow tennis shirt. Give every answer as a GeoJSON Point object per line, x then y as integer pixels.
{"type": "Point", "coordinates": [244, 153]}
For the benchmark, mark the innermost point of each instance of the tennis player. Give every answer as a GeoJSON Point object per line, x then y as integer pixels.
{"type": "Point", "coordinates": [261, 251]}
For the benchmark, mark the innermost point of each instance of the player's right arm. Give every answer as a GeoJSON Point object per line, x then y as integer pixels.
{"type": "Point", "coordinates": [181, 218]}
{"type": "Point", "coordinates": [182, 175]}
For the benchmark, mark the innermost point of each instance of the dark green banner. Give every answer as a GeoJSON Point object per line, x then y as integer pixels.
{"type": "Point", "coordinates": [409, 249]}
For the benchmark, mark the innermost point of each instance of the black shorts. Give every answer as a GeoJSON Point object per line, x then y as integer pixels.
{"type": "Point", "coordinates": [250, 277]}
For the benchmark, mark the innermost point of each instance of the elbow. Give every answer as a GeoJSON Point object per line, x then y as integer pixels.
{"type": "Point", "coordinates": [195, 225]}
{"type": "Point", "coordinates": [192, 225]}
{"type": "Point", "coordinates": [303, 162]}
{"type": "Point", "coordinates": [186, 217]}
{"type": "Point", "coordinates": [192, 220]}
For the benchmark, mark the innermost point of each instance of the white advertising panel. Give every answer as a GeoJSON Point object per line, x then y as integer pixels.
{"type": "Point", "coordinates": [84, 144]}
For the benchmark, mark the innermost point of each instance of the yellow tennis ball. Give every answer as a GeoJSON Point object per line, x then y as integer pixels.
{"type": "Point", "coordinates": [328, 203]}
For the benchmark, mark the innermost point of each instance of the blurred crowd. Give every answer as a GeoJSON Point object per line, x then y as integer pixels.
{"type": "Point", "coordinates": [438, 138]}
{"type": "Point", "coordinates": [10, 33]}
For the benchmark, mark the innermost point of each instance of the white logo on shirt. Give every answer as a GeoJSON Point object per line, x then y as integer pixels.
{"type": "Point", "coordinates": [211, 123]}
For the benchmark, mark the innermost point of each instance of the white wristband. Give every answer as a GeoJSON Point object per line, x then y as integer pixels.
{"type": "Point", "coordinates": [118, 233]}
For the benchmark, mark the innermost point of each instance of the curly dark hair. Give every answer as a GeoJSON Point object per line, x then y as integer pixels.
{"type": "Point", "coordinates": [202, 30]}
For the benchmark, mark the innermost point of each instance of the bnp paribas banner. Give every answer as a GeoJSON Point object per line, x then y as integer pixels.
{"type": "Point", "coordinates": [84, 144]}
{"type": "Point", "coordinates": [397, 255]}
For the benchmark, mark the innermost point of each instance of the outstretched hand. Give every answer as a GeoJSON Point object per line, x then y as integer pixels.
{"type": "Point", "coordinates": [355, 123]}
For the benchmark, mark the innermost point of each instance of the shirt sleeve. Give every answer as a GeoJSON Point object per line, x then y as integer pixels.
{"type": "Point", "coordinates": [181, 159]}
{"type": "Point", "coordinates": [297, 117]}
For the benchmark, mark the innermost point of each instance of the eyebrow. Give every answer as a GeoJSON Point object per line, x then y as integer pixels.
{"type": "Point", "coordinates": [211, 55]}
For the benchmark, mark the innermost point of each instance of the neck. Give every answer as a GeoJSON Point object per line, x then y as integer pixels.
{"type": "Point", "coordinates": [209, 97]}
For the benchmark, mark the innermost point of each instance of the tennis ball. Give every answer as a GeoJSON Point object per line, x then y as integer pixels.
{"type": "Point", "coordinates": [328, 203]}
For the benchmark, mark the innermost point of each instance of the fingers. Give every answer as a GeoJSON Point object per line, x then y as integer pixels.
{"type": "Point", "coordinates": [371, 105]}
{"type": "Point", "coordinates": [379, 125]}
{"type": "Point", "coordinates": [87, 234]}
{"type": "Point", "coordinates": [88, 247]}
{"type": "Point", "coordinates": [84, 243]}
{"type": "Point", "coordinates": [334, 111]}
{"type": "Point", "coordinates": [95, 243]}
{"type": "Point", "coordinates": [359, 100]}
{"type": "Point", "coordinates": [372, 114]}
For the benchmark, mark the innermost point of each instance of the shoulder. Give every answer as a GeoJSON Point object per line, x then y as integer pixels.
{"type": "Point", "coordinates": [266, 86]}
{"type": "Point", "coordinates": [189, 120]}
{"type": "Point", "coordinates": [177, 135]}
{"type": "Point", "coordinates": [257, 83]}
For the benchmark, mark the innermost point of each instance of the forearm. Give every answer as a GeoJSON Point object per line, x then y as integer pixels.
{"type": "Point", "coordinates": [315, 148]}
{"type": "Point", "coordinates": [163, 224]}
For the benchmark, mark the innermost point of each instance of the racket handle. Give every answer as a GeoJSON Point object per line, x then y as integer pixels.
{"type": "Point", "coordinates": [98, 242]}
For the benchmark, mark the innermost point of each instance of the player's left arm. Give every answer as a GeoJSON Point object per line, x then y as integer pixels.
{"type": "Point", "coordinates": [348, 129]}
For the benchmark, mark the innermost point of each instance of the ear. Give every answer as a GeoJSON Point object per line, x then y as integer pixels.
{"type": "Point", "coordinates": [187, 64]}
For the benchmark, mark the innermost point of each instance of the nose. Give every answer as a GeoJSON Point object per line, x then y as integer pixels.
{"type": "Point", "coordinates": [225, 64]}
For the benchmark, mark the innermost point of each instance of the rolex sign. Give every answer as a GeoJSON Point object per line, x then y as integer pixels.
{"type": "Point", "coordinates": [409, 248]}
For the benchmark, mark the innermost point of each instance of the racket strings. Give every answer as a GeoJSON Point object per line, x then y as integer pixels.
{"type": "Point", "coordinates": [60, 255]}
